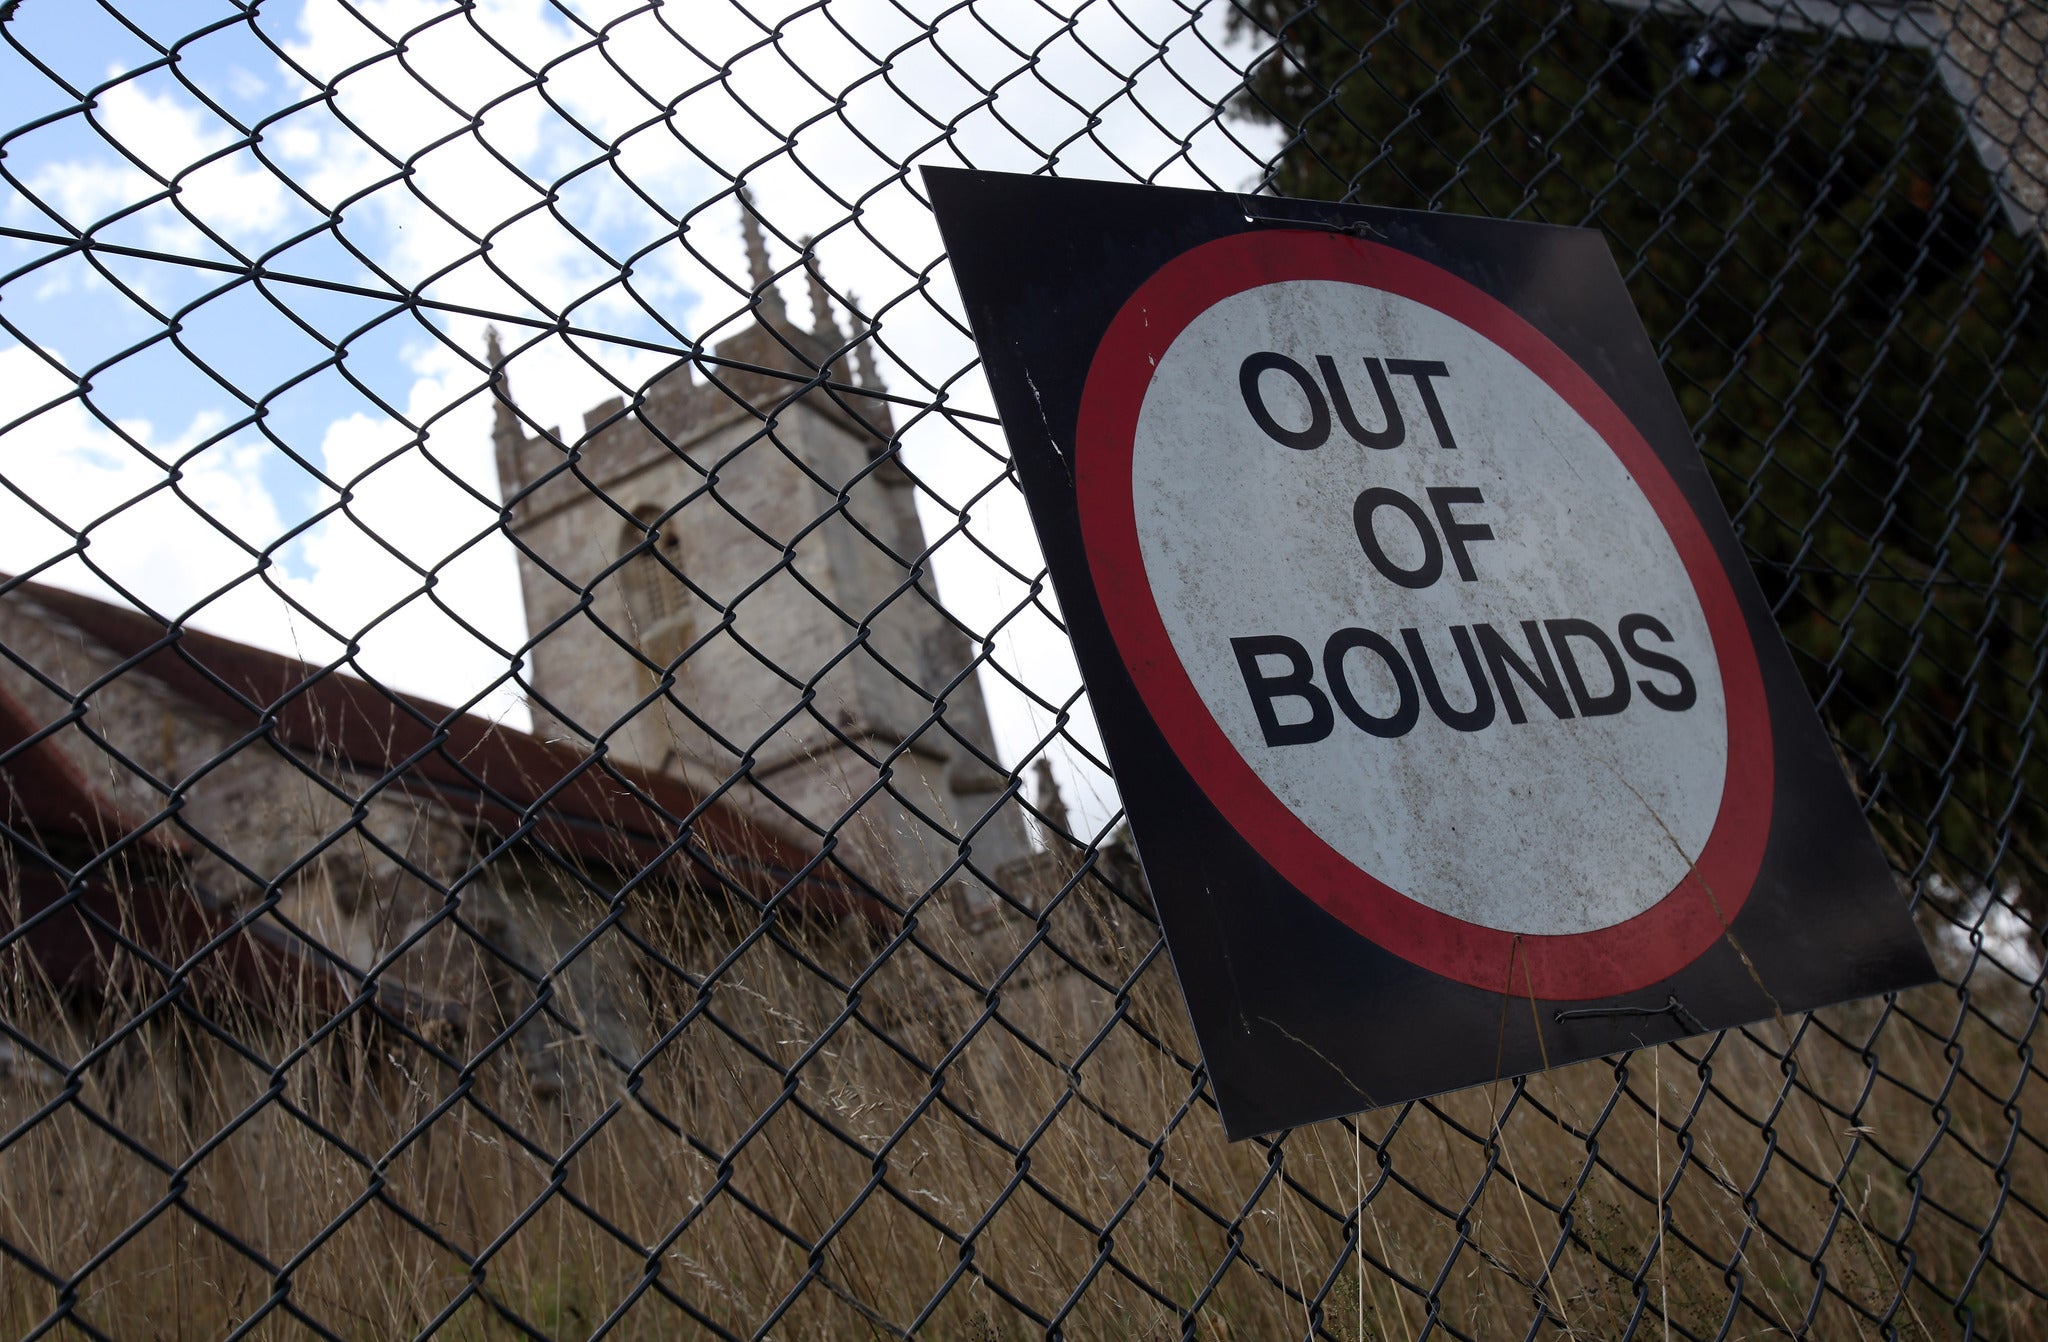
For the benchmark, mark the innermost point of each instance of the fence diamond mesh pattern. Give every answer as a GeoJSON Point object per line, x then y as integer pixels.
{"type": "Point", "coordinates": [546, 793]}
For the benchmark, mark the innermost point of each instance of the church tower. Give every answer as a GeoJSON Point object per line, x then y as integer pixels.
{"type": "Point", "coordinates": [725, 580]}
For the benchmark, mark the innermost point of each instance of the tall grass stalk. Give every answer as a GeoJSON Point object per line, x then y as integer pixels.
{"type": "Point", "coordinates": [814, 1146]}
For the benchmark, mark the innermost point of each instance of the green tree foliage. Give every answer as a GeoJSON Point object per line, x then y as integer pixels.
{"type": "Point", "coordinates": [1856, 338]}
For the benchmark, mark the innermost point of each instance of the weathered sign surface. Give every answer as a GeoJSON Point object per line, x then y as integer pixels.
{"type": "Point", "coordinates": [1456, 738]}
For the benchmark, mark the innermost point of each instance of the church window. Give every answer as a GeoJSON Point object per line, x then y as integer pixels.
{"type": "Point", "coordinates": [655, 596]}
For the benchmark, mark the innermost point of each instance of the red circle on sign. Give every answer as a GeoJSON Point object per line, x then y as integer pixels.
{"type": "Point", "coordinates": [1621, 958]}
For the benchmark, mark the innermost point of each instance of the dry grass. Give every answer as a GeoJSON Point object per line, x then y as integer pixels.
{"type": "Point", "coordinates": [796, 1166]}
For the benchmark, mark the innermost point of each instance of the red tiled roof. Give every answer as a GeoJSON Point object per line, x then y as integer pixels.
{"type": "Point", "coordinates": [499, 777]}
{"type": "Point", "coordinates": [44, 794]}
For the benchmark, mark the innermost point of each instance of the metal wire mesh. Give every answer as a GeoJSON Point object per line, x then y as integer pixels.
{"type": "Point", "coordinates": [660, 877]}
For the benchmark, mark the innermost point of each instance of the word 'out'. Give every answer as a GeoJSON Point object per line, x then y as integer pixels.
{"type": "Point", "coordinates": [1250, 385]}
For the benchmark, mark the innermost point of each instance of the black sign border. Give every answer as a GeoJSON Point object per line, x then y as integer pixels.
{"type": "Point", "coordinates": [1300, 1018]}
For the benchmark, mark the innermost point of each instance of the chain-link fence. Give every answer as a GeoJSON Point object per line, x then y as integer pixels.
{"type": "Point", "coordinates": [546, 791]}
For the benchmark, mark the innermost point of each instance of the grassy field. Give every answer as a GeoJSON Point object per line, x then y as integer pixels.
{"type": "Point", "coordinates": [801, 1159]}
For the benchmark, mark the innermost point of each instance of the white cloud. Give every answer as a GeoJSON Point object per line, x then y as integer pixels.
{"type": "Point", "coordinates": [169, 134]}
{"type": "Point", "coordinates": [114, 498]}
{"type": "Point", "coordinates": [411, 499]}
{"type": "Point", "coordinates": [246, 85]}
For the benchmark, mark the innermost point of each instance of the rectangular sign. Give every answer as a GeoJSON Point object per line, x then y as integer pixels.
{"type": "Point", "coordinates": [1456, 737]}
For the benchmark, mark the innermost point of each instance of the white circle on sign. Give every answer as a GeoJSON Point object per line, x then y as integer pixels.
{"type": "Point", "coordinates": [1552, 826]}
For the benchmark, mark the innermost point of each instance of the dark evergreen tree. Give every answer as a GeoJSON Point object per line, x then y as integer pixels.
{"type": "Point", "coordinates": [1856, 337]}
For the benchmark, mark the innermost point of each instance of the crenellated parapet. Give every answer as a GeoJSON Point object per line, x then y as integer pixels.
{"type": "Point", "coordinates": [756, 374]}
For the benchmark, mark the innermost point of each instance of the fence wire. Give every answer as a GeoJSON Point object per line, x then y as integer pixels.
{"type": "Point", "coordinates": [658, 876]}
